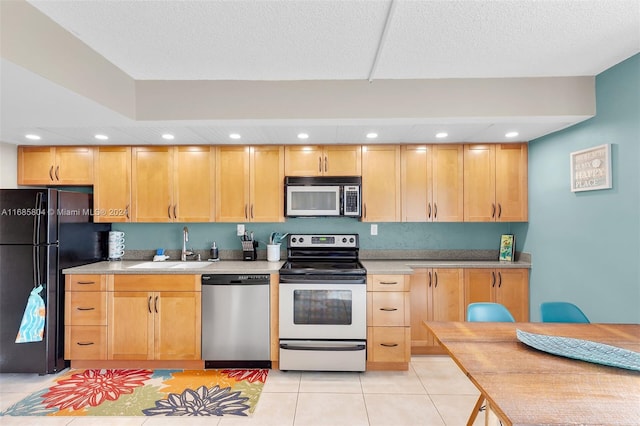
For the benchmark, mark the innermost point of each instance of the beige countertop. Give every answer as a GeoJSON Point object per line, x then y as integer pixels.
{"type": "Point", "coordinates": [220, 267]}
{"type": "Point", "coordinates": [264, 267]}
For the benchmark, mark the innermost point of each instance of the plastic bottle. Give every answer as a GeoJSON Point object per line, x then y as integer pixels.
{"type": "Point", "coordinates": [214, 251]}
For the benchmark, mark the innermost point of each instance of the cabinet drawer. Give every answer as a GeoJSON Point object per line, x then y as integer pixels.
{"type": "Point", "coordinates": [387, 283]}
{"type": "Point", "coordinates": [389, 344]}
{"type": "Point", "coordinates": [156, 283]}
{"type": "Point", "coordinates": [85, 342]}
{"type": "Point", "coordinates": [86, 308]}
{"type": "Point", "coordinates": [86, 282]}
{"type": "Point", "coordinates": [388, 309]}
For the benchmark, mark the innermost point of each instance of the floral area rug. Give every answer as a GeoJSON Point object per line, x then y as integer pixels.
{"type": "Point", "coordinates": [146, 393]}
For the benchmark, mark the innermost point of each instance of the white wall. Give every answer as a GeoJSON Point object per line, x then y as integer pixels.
{"type": "Point", "coordinates": [8, 165]}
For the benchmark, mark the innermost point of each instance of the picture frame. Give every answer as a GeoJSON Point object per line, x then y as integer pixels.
{"type": "Point", "coordinates": [507, 248]}
{"type": "Point", "coordinates": [591, 168]}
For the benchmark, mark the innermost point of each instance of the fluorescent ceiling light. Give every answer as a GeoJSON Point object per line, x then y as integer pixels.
{"type": "Point", "coordinates": [168, 136]}
{"type": "Point", "coordinates": [372, 135]}
{"type": "Point", "coordinates": [511, 134]}
{"type": "Point", "coordinates": [32, 137]}
{"type": "Point", "coordinates": [101, 137]}
{"type": "Point", "coordinates": [303, 136]}
{"type": "Point", "coordinates": [441, 135]}
{"type": "Point", "coordinates": [235, 135]}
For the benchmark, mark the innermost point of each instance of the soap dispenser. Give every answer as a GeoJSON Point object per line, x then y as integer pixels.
{"type": "Point", "coordinates": [213, 253]}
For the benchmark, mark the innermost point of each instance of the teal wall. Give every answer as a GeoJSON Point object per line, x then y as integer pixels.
{"type": "Point", "coordinates": [401, 236]}
{"type": "Point", "coordinates": [585, 246]}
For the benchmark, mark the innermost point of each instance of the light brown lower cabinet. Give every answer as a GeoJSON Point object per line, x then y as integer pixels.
{"type": "Point", "coordinates": [388, 322]}
{"type": "Point", "coordinates": [509, 287]}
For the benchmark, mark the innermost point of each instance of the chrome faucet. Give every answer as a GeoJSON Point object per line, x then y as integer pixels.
{"type": "Point", "coordinates": [185, 238]}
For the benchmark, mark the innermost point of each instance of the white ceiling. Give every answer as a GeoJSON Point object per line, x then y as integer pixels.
{"type": "Point", "coordinates": [317, 40]}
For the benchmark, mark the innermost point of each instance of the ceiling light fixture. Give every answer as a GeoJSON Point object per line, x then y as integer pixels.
{"type": "Point", "coordinates": [303, 136]}
{"type": "Point", "coordinates": [372, 135]}
{"type": "Point", "coordinates": [168, 136]}
{"type": "Point", "coordinates": [101, 137]}
{"type": "Point", "coordinates": [32, 137]}
{"type": "Point", "coordinates": [441, 135]}
{"type": "Point", "coordinates": [511, 134]}
{"type": "Point", "coordinates": [234, 135]}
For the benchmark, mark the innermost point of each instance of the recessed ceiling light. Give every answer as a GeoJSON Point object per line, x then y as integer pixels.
{"type": "Point", "coordinates": [32, 137]}
{"type": "Point", "coordinates": [511, 134]}
{"type": "Point", "coordinates": [372, 135]}
{"type": "Point", "coordinates": [303, 136]}
{"type": "Point", "coordinates": [441, 135]}
{"type": "Point", "coordinates": [168, 136]}
{"type": "Point", "coordinates": [101, 137]}
{"type": "Point", "coordinates": [234, 135]}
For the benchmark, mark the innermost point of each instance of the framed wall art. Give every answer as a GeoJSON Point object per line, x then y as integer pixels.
{"type": "Point", "coordinates": [591, 168]}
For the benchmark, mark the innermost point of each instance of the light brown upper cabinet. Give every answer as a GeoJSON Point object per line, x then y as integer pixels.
{"type": "Point", "coordinates": [112, 184]}
{"type": "Point", "coordinates": [381, 183]}
{"type": "Point", "coordinates": [495, 183]}
{"type": "Point", "coordinates": [432, 183]}
{"type": "Point", "coordinates": [172, 184]}
{"type": "Point", "coordinates": [250, 184]}
{"type": "Point", "coordinates": [55, 165]}
{"type": "Point", "coordinates": [329, 160]}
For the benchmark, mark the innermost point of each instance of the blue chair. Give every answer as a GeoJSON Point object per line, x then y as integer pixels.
{"type": "Point", "coordinates": [488, 312]}
{"type": "Point", "coordinates": [562, 312]}
{"type": "Point", "coordinates": [485, 312]}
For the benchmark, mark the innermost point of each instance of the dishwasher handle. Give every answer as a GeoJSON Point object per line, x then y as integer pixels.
{"type": "Point", "coordinates": [332, 348]}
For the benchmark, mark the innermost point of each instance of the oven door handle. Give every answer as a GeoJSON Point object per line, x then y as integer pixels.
{"type": "Point", "coordinates": [356, 347]}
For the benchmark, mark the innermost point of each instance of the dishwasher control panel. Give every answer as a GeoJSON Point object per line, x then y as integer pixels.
{"type": "Point", "coordinates": [235, 279]}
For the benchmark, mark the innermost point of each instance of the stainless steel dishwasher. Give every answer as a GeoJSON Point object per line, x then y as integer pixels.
{"type": "Point", "coordinates": [235, 321]}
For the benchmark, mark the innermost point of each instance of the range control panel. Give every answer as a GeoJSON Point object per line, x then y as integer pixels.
{"type": "Point", "coordinates": [323, 240]}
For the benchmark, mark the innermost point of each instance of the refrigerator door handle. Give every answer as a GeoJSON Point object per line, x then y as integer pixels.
{"type": "Point", "coordinates": [36, 219]}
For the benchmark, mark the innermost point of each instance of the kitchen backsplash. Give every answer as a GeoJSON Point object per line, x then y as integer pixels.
{"type": "Point", "coordinates": [391, 236]}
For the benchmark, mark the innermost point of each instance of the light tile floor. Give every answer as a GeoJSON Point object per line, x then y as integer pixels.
{"type": "Point", "coordinates": [432, 392]}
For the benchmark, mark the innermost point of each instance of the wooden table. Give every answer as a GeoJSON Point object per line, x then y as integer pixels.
{"type": "Point", "coordinates": [525, 386]}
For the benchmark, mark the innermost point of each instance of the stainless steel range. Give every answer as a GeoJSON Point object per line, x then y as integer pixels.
{"type": "Point", "coordinates": [323, 304]}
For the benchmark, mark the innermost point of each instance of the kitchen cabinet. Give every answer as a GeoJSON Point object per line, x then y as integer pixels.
{"type": "Point", "coordinates": [55, 165]}
{"type": "Point", "coordinates": [250, 182]}
{"type": "Point", "coordinates": [437, 294]}
{"type": "Point", "coordinates": [330, 160]}
{"type": "Point", "coordinates": [509, 287]}
{"type": "Point", "coordinates": [432, 183]}
{"type": "Point", "coordinates": [381, 183]}
{"type": "Point", "coordinates": [112, 184]}
{"type": "Point", "coordinates": [85, 317]}
{"type": "Point", "coordinates": [154, 317]}
{"type": "Point", "coordinates": [172, 184]}
{"type": "Point", "coordinates": [495, 183]}
{"type": "Point", "coordinates": [388, 322]}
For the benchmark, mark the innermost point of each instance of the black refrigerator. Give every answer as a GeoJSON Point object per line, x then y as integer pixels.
{"type": "Point", "coordinates": [42, 232]}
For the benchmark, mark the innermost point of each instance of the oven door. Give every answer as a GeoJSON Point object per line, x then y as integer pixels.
{"type": "Point", "coordinates": [323, 311]}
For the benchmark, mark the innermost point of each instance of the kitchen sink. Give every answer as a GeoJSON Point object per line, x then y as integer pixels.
{"type": "Point", "coordinates": [170, 265]}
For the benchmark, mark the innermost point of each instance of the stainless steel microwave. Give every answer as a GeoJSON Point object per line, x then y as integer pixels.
{"type": "Point", "coordinates": [319, 196]}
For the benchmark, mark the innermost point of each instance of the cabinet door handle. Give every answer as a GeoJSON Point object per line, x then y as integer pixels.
{"type": "Point", "coordinates": [429, 211]}
{"type": "Point", "coordinates": [57, 174]}
{"type": "Point", "coordinates": [85, 309]}
{"type": "Point", "coordinates": [364, 210]}
{"type": "Point", "coordinates": [493, 210]}
{"type": "Point", "coordinates": [326, 163]}
{"type": "Point", "coordinates": [169, 211]}
{"type": "Point", "coordinates": [245, 212]}
{"type": "Point", "coordinates": [499, 210]}
{"type": "Point", "coordinates": [251, 211]}
{"type": "Point", "coordinates": [429, 278]}
{"type": "Point", "coordinates": [435, 210]}
{"type": "Point", "coordinates": [175, 207]}
{"type": "Point", "coordinates": [389, 282]}
{"type": "Point", "coordinates": [149, 304]}
{"type": "Point", "coordinates": [51, 173]}
{"type": "Point", "coordinates": [493, 279]}
{"type": "Point", "coordinates": [86, 282]}
{"type": "Point", "coordinates": [499, 279]}
{"type": "Point", "coordinates": [388, 309]}
{"type": "Point", "coordinates": [435, 275]}
{"type": "Point", "coordinates": [389, 345]}
{"type": "Point", "coordinates": [320, 164]}
{"type": "Point", "coordinates": [126, 211]}
{"type": "Point", "coordinates": [155, 304]}
{"type": "Point", "coordinates": [84, 343]}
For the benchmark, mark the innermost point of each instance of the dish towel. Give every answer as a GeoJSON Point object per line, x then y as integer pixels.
{"type": "Point", "coordinates": [32, 325]}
